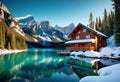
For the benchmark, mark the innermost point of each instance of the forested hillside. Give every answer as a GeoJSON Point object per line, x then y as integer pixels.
{"type": "Point", "coordinates": [11, 34]}
{"type": "Point", "coordinates": [10, 39]}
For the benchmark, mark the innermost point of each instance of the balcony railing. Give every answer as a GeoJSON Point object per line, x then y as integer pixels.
{"type": "Point", "coordinates": [80, 48]}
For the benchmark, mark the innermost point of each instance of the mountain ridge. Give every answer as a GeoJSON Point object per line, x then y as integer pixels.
{"type": "Point", "coordinates": [43, 29]}
{"type": "Point", "coordinates": [40, 30]}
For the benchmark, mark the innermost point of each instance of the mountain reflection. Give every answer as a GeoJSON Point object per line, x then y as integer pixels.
{"type": "Point", "coordinates": [35, 65]}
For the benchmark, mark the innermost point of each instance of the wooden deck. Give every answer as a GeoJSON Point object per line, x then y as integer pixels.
{"type": "Point", "coordinates": [63, 53]}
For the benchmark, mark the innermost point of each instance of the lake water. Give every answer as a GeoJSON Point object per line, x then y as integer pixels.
{"type": "Point", "coordinates": [44, 65]}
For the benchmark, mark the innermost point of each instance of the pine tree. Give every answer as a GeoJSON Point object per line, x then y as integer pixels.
{"type": "Point", "coordinates": [110, 24]}
{"type": "Point", "coordinates": [97, 24]}
{"type": "Point", "coordinates": [117, 21]}
{"type": "Point", "coordinates": [100, 25]}
{"type": "Point", "coordinates": [91, 22]}
{"type": "Point", "coordinates": [105, 26]}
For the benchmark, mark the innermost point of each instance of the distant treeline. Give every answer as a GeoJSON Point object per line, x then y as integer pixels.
{"type": "Point", "coordinates": [104, 25]}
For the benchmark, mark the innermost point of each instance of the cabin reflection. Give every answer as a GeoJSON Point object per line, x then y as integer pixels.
{"type": "Point", "coordinates": [84, 67]}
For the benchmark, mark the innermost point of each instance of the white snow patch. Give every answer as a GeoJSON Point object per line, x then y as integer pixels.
{"type": "Point", "coordinates": [107, 74]}
{"type": "Point", "coordinates": [92, 54]}
{"type": "Point", "coordinates": [79, 53]}
{"type": "Point", "coordinates": [106, 51]}
{"type": "Point", "coordinates": [108, 70]}
{"type": "Point", "coordinates": [110, 78]}
{"type": "Point", "coordinates": [116, 53]}
{"type": "Point", "coordinates": [5, 51]}
{"type": "Point", "coordinates": [46, 38]}
{"type": "Point", "coordinates": [80, 41]}
{"type": "Point", "coordinates": [20, 18]}
{"type": "Point", "coordinates": [72, 53]}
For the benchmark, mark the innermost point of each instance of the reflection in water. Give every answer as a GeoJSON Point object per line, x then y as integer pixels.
{"type": "Point", "coordinates": [35, 65]}
{"type": "Point", "coordinates": [44, 65]}
{"type": "Point", "coordinates": [85, 66]}
{"type": "Point", "coordinates": [88, 66]}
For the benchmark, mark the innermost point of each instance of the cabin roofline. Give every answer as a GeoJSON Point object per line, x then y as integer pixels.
{"type": "Point", "coordinates": [89, 28]}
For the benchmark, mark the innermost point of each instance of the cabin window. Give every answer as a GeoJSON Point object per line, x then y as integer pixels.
{"type": "Point", "coordinates": [79, 32]}
{"type": "Point", "coordinates": [87, 36]}
{"type": "Point", "coordinates": [77, 37]}
{"type": "Point", "coordinates": [84, 30]}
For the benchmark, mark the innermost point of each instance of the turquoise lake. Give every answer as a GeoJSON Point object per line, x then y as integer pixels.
{"type": "Point", "coordinates": [44, 65]}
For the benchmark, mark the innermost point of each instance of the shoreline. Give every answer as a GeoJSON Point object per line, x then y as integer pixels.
{"type": "Point", "coordinates": [5, 51]}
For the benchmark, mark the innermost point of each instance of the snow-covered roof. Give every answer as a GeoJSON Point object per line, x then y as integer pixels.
{"type": "Point", "coordinates": [80, 41]}
{"type": "Point", "coordinates": [94, 30]}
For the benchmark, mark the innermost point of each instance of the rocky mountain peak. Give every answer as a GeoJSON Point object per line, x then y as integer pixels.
{"type": "Point", "coordinates": [27, 18]}
{"type": "Point", "coordinates": [45, 24]}
{"type": "Point", "coordinates": [72, 25]}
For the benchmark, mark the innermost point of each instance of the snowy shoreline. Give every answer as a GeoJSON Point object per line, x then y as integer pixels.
{"type": "Point", "coordinates": [5, 51]}
{"type": "Point", "coordinates": [106, 52]}
{"type": "Point", "coordinates": [106, 74]}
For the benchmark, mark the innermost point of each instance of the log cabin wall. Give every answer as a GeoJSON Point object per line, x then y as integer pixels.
{"type": "Point", "coordinates": [81, 32]}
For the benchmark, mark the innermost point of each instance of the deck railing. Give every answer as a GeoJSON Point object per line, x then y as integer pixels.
{"type": "Point", "coordinates": [80, 48]}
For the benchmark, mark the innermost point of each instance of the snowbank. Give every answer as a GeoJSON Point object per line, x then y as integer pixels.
{"type": "Point", "coordinates": [92, 54]}
{"type": "Point", "coordinates": [110, 52]}
{"type": "Point", "coordinates": [72, 53]}
{"type": "Point", "coordinates": [114, 77]}
{"type": "Point", "coordinates": [108, 70]}
{"type": "Point", "coordinates": [79, 53]}
{"type": "Point", "coordinates": [107, 74]}
{"type": "Point", "coordinates": [10, 51]}
{"type": "Point", "coordinates": [106, 52]}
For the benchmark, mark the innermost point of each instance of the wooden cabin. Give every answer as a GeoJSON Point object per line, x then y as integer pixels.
{"type": "Point", "coordinates": [85, 38]}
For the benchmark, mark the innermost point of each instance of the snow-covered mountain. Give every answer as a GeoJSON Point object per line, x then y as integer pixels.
{"type": "Point", "coordinates": [65, 30]}
{"type": "Point", "coordinates": [40, 30]}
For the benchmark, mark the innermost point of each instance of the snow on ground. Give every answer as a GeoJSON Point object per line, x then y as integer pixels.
{"type": "Point", "coordinates": [109, 52]}
{"type": "Point", "coordinates": [10, 51]}
{"type": "Point", "coordinates": [106, 51]}
{"type": "Point", "coordinates": [111, 41]}
{"type": "Point", "coordinates": [92, 54]}
{"type": "Point", "coordinates": [107, 74]}
{"type": "Point", "coordinates": [108, 70]}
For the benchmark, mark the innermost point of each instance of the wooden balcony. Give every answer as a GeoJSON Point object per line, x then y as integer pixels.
{"type": "Point", "coordinates": [80, 48]}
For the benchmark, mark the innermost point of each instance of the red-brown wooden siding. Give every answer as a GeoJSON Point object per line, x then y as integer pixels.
{"type": "Point", "coordinates": [100, 41]}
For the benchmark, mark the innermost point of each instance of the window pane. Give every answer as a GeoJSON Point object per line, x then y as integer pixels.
{"type": "Point", "coordinates": [84, 30]}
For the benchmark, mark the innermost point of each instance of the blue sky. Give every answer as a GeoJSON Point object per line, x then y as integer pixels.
{"type": "Point", "coordinates": [60, 12]}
